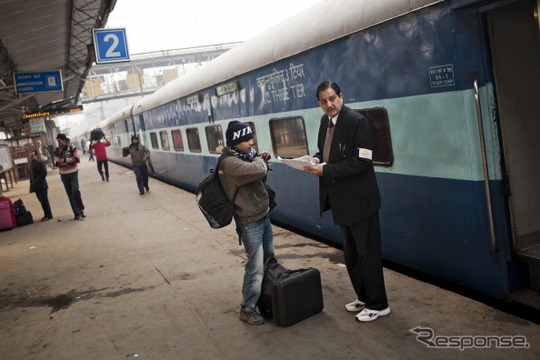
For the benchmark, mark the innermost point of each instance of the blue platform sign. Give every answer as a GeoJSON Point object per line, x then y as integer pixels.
{"type": "Point", "coordinates": [34, 82]}
{"type": "Point", "coordinates": [110, 45]}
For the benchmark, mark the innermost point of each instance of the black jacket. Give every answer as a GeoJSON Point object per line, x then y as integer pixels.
{"type": "Point", "coordinates": [38, 172]}
{"type": "Point", "coordinates": [348, 185]}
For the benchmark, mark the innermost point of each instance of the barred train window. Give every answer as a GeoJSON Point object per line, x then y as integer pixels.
{"type": "Point", "coordinates": [289, 137]}
{"type": "Point", "coordinates": [153, 140]}
{"type": "Point", "coordinates": [164, 140]}
{"type": "Point", "coordinates": [214, 137]}
{"type": "Point", "coordinates": [177, 140]}
{"type": "Point", "coordinates": [383, 154]}
{"type": "Point", "coordinates": [194, 142]}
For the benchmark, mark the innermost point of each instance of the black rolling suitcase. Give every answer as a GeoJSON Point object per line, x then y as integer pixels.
{"type": "Point", "coordinates": [297, 297]}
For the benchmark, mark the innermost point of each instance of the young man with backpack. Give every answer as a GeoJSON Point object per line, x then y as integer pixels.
{"type": "Point", "coordinates": [244, 169]}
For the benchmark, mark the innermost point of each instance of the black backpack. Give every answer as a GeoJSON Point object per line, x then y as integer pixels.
{"type": "Point", "coordinates": [19, 208]}
{"type": "Point", "coordinates": [211, 199]}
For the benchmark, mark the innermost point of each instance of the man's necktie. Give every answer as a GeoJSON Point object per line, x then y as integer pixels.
{"type": "Point", "coordinates": [328, 140]}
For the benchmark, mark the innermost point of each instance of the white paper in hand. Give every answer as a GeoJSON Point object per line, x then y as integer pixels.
{"type": "Point", "coordinates": [297, 163]}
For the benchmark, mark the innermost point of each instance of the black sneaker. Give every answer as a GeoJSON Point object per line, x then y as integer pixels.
{"type": "Point", "coordinates": [141, 192]}
{"type": "Point", "coordinates": [77, 217]}
{"type": "Point", "coordinates": [83, 215]}
{"type": "Point", "coordinates": [252, 318]}
{"type": "Point", "coordinates": [46, 218]}
{"type": "Point", "coordinates": [102, 178]}
{"type": "Point", "coordinates": [147, 188]}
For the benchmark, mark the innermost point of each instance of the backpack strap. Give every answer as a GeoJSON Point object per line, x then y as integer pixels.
{"type": "Point", "coordinates": [216, 176]}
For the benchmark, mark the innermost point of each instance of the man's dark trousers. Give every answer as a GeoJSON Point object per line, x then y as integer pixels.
{"type": "Point", "coordinates": [365, 271]}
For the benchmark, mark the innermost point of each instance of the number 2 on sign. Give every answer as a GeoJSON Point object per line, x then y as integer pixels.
{"type": "Point", "coordinates": [115, 41]}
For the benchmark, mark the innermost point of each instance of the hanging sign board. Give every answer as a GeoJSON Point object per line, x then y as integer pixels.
{"type": "Point", "coordinates": [34, 82]}
{"type": "Point", "coordinates": [110, 45]}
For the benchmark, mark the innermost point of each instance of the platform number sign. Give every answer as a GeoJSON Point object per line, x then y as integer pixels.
{"type": "Point", "coordinates": [110, 45]}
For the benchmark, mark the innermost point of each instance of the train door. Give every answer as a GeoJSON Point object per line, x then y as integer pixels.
{"type": "Point", "coordinates": [142, 128]}
{"type": "Point", "coordinates": [515, 49]}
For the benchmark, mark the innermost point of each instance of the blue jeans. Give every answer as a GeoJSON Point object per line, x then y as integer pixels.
{"type": "Point", "coordinates": [257, 238]}
{"type": "Point", "coordinates": [141, 174]}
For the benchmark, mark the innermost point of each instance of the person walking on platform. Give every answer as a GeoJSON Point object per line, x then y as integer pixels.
{"type": "Point", "coordinates": [38, 184]}
{"type": "Point", "coordinates": [66, 158]}
{"type": "Point", "coordinates": [139, 155]}
{"type": "Point", "coordinates": [101, 156]}
{"type": "Point", "coordinates": [347, 186]}
{"type": "Point", "coordinates": [245, 169]}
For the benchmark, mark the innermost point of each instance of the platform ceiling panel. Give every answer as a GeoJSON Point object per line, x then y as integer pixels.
{"type": "Point", "coordinates": [36, 32]}
{"type": "Point", "coordinates": [45, 35]}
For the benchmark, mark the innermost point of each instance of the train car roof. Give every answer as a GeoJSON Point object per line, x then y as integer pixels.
{"type": "Point", "coordinates": [306, 30]}
{"type": "Point", "coordinates": [119, 115]}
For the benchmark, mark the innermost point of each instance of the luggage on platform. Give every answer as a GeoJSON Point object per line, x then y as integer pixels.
{"type": "Point", "coordinates": [24, 219]}
{"type": "Point", "coordinates": [273, 271]}
{"type": "Point", "coordinates": [19, 207]}
{"type": "Point", "coordinates": [96, 134]}
{"type": "Point", "coordinates": [297, 297]}
{"type": "Point", "coordinates": [7, 214]}
{"type": "Point", "coordinates": [22, 216]}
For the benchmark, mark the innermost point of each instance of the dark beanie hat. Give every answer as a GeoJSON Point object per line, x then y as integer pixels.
{"type": "Point", "coordinates": [238, 132]}
{"type": "Point", "coordinates": [133, 137]}
{"type": "Point", "coordinates": [61, 136]}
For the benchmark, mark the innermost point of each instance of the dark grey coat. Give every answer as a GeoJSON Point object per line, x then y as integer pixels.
{"type": "Point", "coordinates": [348, 185]}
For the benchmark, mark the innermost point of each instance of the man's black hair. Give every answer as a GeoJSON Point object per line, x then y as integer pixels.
{"type": "Point", "coordinates": [327, 85]}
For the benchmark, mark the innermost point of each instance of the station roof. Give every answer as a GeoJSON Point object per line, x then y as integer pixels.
{"type": "Point", "coordinates": [46, 35]}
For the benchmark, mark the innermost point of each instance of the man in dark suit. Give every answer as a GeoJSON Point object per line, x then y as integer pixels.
{"type": "Point", "coordinates": [347, 186]}
{"type": "Point", "coordinates": [38, 184]}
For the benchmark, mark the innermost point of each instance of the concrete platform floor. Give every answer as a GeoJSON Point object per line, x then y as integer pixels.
{"type": "Point", "coordinates": [144, 277]}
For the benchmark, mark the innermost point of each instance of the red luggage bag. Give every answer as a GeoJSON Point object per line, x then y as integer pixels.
{"type": "Point", "coordinates": [7, 214]}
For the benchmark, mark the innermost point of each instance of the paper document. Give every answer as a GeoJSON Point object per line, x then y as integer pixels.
{"type": "Point", "coordinates": [297, 163]}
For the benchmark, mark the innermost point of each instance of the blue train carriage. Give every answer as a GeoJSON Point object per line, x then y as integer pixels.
{"type": "Point", "coordinates": [451, 89]}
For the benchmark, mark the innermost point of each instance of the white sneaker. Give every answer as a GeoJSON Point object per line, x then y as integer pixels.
{"type": "Point", "coordinates": [370, 315]}
{"type": "Point", "coordinates": [355, 306]}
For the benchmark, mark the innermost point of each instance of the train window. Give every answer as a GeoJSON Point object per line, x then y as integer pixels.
{"type": "Point", "coordinates": [214, 137]}
{"type": "Point", "coordinates": [177, 140]}
{"type": "Point", "coordinates": [289, 137]}
{"type": "Point", "coordinates": [194, 142]}
{"type": "Point", "coordinates": [153, 140]}
{"type": "Point", "coordinates": [383, 154]}
{"type": "Point", "coordinates": [164, 140]}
